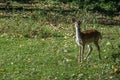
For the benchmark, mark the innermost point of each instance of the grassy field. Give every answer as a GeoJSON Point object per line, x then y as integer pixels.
{"type": "Point", "coordinates": [40, 45]}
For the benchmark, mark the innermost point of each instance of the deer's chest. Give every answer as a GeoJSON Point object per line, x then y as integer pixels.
{"type": "Point", "coordinates": [79, 42]}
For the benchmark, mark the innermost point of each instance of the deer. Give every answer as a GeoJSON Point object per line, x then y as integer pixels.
{"type": "Point", "coordinates": [86, 37]}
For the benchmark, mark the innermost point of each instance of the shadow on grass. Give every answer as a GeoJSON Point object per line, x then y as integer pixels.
{"type": "Point", "coordinates": [104, 21]}
{"type": "Point", "coordinates": [63, 12]}
{"type": "Point", "coordinates": [116, 56]}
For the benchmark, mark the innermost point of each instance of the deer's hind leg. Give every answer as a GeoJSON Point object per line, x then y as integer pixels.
{"type": "Point", "coordinates": [89, 51]}
{"type": "Point", "coordinates": [98, 48]}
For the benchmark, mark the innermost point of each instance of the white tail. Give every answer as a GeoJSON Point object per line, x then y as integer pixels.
{"type": "Point", "coordinates": [86, 38]}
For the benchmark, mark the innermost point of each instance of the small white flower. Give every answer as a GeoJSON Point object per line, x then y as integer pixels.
{"type": "Point", "coordinates": [104, 50]}
{"type": "Point", "coordinates": [108, 43]}
{"type": "Point", "coordinates": [11, 63]}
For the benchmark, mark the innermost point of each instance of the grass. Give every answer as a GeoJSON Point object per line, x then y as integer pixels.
{"type": "Point", "coordinates": [29, 59]}
{"type": "Point", "coordinates": [35, 47]}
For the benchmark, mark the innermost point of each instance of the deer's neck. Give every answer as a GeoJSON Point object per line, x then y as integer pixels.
{"type": "Point", "coordinates": [78, 35]}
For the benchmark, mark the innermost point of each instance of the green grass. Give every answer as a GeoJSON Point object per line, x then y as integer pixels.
{"type": "Point", "coordinates": [53, 59]}
{"type": "Point", "coordinates": [32, 47]}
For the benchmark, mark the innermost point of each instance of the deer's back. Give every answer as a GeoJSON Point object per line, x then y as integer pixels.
{"type": "Point", "coordinates": [90, 36]}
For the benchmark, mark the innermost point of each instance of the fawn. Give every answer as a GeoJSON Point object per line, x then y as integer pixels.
{"type": "Point", "coordinates": [86, 38]}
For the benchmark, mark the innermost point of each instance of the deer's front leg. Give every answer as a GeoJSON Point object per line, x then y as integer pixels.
{"type": "Point", "coordinates": [79, 55]}
{"type": "Point", "coordinates": [82, 52]}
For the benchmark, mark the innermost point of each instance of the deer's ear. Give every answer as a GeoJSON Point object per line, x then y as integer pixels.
{"type": "Point", "coordinates": [74, 19]}
{"type": "Point", "coordinates": [81, 20]}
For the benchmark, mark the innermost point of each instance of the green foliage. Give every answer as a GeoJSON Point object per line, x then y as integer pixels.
{"type": "Point", "coordinates": [106, 7]}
